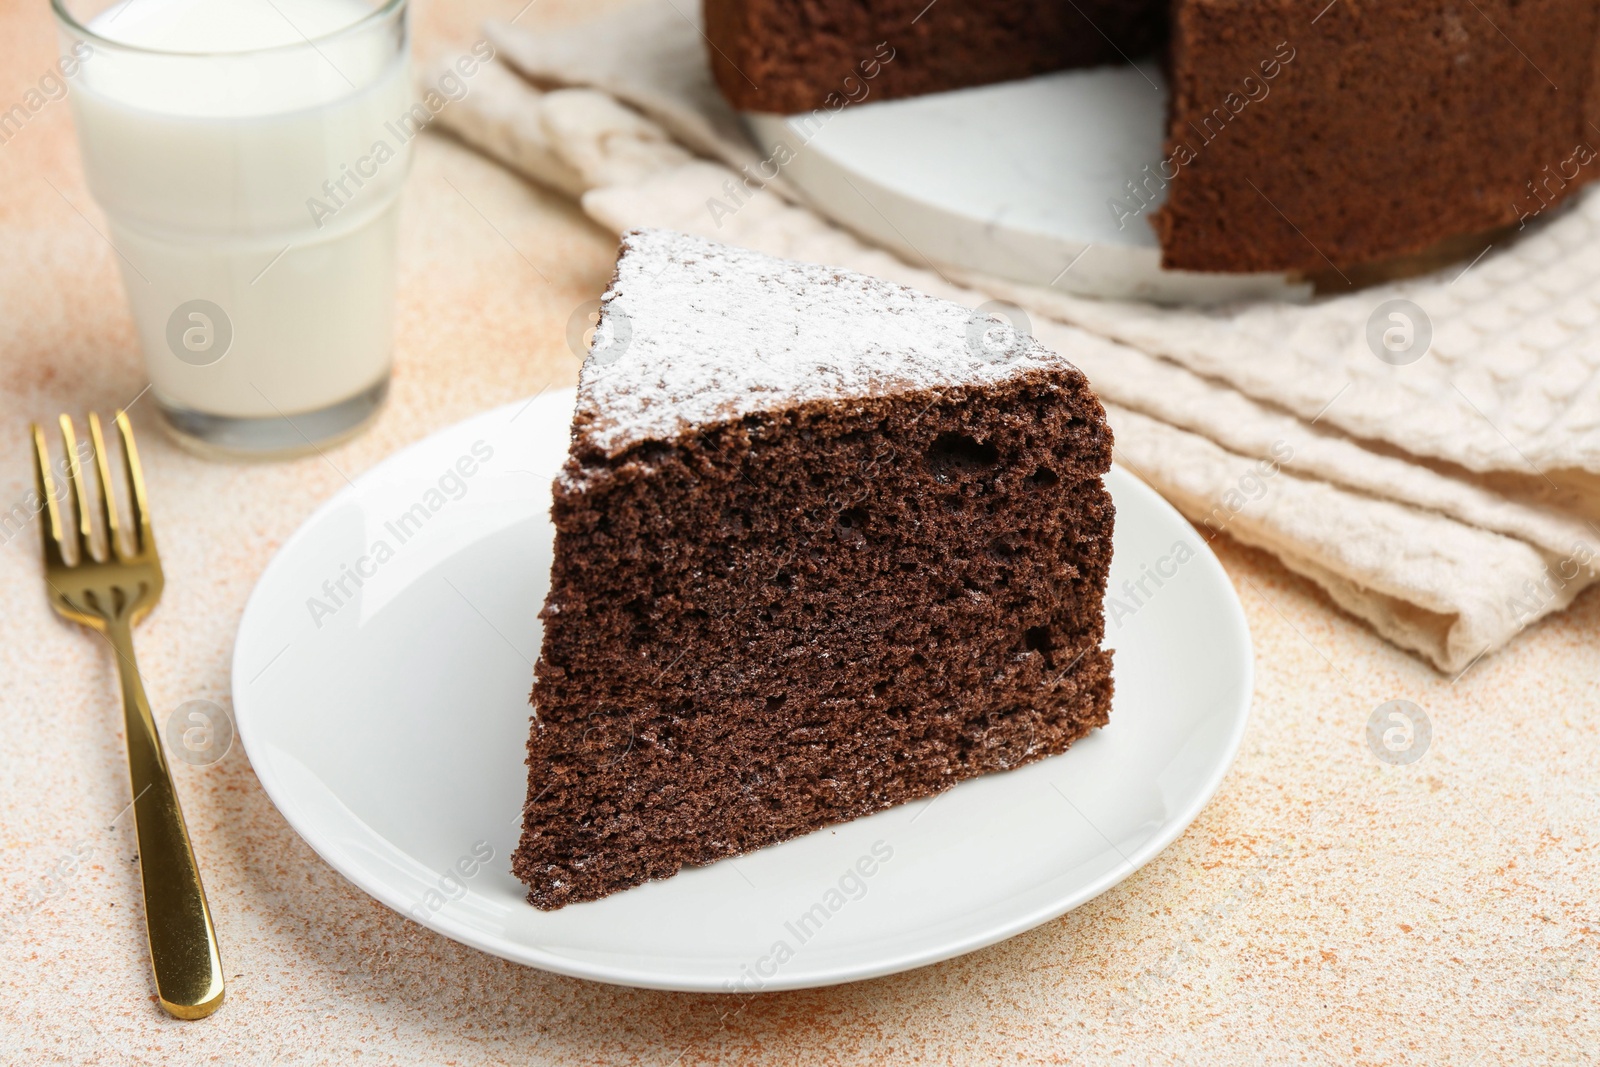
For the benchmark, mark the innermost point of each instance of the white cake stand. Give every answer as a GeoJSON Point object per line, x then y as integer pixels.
{"type": "Point", "coordinates": [1013, 180]}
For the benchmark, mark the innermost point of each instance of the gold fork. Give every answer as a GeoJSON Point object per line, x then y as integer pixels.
{"type": "Point", "coordinates": [110, 589]}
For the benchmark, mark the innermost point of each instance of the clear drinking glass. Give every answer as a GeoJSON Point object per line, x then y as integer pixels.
{"type": "Point", "coordinates": [249, 156]}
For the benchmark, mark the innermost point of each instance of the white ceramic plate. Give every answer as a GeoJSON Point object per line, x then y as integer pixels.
{"type": "Point", "coordinates": [1013, 179]}
{"type": "Point", "coordinates": [389, 728]}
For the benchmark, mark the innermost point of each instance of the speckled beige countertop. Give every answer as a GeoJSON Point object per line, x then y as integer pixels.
{"type": "Point", "coordinates": [1326, 908]}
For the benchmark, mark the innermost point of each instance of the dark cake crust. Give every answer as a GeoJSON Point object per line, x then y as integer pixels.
{"type": "Point", "coordinates": [800, 618]}
{"type": "Point", "coordinates": [788, 56]}
{"type": "Point", "coordinates": [1392, 128]}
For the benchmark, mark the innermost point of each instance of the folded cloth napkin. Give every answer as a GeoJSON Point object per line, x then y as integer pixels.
{"type": "Point", "coordinates": [1449, 502]}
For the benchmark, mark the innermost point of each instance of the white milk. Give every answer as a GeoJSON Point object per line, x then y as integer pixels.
{"type": "Point", "coordinates": [262, 182]}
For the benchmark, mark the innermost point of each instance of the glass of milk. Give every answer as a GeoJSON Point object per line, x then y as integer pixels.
{"type": "Point", "coordinates": [249, 156]}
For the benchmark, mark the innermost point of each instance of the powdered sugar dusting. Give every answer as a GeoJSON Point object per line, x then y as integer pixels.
{"type": "Point", "coordinates": [693, 333]}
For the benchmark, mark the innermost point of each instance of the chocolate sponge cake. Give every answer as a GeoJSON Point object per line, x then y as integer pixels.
{"type": "Point", "coordinates": [1303, 136]}
{"type": "Point", "coordinates": [823, 545]}
{"type": "Point", "coordinates": [787, 56]}
{"type": "Point", "coordinates": [1386, 130]}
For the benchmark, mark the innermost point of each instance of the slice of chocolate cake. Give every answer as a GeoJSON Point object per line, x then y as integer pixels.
{"type": "Point", "coordinates": [823, 545]}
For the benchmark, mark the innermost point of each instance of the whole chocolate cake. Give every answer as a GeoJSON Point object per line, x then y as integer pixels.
{"type": "Point", "coordinates": [788, 56]}
{"type": "Point", "coordinates": [1303, 135]}
{"type": "Point", "coordinates": [823, 545]}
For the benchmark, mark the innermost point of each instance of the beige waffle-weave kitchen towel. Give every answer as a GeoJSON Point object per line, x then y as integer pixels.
{"type": "Point", "coordinates": [1448, 502]}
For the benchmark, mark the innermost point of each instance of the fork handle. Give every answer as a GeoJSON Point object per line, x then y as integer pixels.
{"type": "Point", "coordinates": [183, 942]}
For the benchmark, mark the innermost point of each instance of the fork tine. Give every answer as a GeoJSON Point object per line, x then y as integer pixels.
{"type": "Point", "coordinates": [108, 503]}
{"type": "Point", "coordinates": [51, 528]}
{"type": "Point", "coordinates": [144, 537]}
{"type": "Point", "coordinates": [80, 492]}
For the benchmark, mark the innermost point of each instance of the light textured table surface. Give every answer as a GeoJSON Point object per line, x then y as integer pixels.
{"type": "Point", "coordinates": [1327, 907]}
